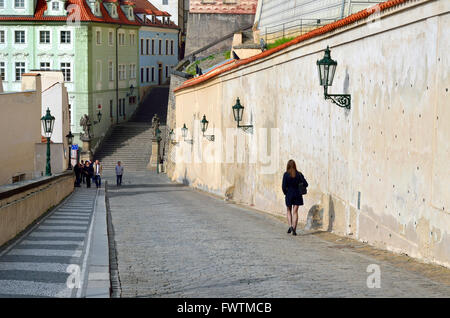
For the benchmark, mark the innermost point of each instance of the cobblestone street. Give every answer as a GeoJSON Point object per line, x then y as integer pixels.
{"type": "Point", "coordinates": [173, 241]}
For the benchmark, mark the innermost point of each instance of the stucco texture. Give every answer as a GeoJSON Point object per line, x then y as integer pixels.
{"type": "Point", "coordinates": [204, 28]}
{"type": "Point", "coordinates": [378, 172]}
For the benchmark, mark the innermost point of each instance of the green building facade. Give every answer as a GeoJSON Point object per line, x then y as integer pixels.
{"type": "Point", "coordinates": [94, 44]}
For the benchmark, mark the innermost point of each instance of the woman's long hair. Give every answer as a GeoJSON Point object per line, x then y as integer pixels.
{"type": "Point", "coordinates": [291, 168]}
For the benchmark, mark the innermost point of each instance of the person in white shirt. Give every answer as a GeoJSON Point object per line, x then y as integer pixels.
{"type": "Point", "coordinates": [119, 173]}
{"type": "Point", "coordinates": [98, 173]}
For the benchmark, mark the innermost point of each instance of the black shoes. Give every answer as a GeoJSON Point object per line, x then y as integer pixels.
{"type": "Point", "coordinates": [290, 230]}
{"type": "Point", "coordinates": [293, 232]}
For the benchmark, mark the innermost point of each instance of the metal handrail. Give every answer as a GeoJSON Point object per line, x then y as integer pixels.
{"type": "Point", "coordinates": [287, 28]}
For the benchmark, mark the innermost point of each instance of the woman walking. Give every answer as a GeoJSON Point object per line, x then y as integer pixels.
{"type": "Point", "coordinates": [294, 186]}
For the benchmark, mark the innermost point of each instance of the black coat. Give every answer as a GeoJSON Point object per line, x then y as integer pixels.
{"type": "Point", "coordinates": [291, 189]}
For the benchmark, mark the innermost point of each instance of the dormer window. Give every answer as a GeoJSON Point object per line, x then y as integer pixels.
{"type": "Point", "coordinates": [97, 8]}
{"type": "Point", "coordinates": [55, 6]}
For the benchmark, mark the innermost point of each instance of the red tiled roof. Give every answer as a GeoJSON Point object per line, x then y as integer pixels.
{"type": "Point", "coordinates": [159, 24]}
{"type": "Point", "coordinates": [143, 6]}
{"type": "Point", "coordinates": [72, 6]}
{"type": "Point", "coordinates": [44, 140]}
{"type": "Point", "coordinates": [314, 33]}
{"type": "Point", "coordinates": [240, 7]}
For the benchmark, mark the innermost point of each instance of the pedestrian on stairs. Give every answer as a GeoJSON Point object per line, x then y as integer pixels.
{"type": "Point", "coordinates": [98, 173]}
{"type": "Point", "coordinates": [83, 175]}
{"type": "Point", "coordinates": [119, 173]}
{"type": "Point", "coordinates": [87, 173]}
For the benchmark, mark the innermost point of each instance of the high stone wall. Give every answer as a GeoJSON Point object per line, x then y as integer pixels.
{"type": "Point", "coordinates": [379, 172]}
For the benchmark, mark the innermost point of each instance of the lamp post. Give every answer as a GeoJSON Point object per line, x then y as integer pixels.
{"type": "Point", "coordinates": [327, 67]}
{"type": "Point", "coordinates": [99, 117]}
{"type": "Point", "coordinates": [48, 122]}
{"type": "Point", "coordinates": [238, 110]}
{"type": "Point", "coordinates": [69, 137]}
{"type": "Point", "coordinates": [158, 139]}
{"type": "Point", "coordinates": [205, 123]}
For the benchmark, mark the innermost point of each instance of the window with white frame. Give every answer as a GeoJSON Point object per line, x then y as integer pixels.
{"type": "Point", "coordinates": [165, 2]}
{"type": "Point", "coordinates": [147, 70]}
{"type": "Point", "coordinates": [19, 37]}
{"type": "Point", "coordinates": [65, 37]}
{"type": "Point", "coordinates": [3, 71]}
{"type": "Point", "coordinates": [121, 38]}
{"type": "Point", "coordinates": [2, 37]}
{"type": "Point", "coordinates": [171, 47]}
{"type": "Point", "coordinates": [110, 38]}
{"type": "Point", "coordinates": [45, 66]}
{"type": "Point", "coordinates": [132, 71]}
{"type": "Point", "coordinates": [167, 47]}
{"type": "Point", "coordinates": [44, 37]}
{"type": "Point", "coordinates": [142, 75]}
{"type": "Point", "coordinates": [99, 37]}
{"type": "Point", "coordinates": [67, 72]}
{"type": "Point", "coordinates": [153, 47]}
{"type": "Point", "coordinates": [2, 4]}
{"type": "Point", "coordinates": [111, 71]}
{"type": "Point", "coordinates": [153, 74]}
{"type": "Point", "coordinates": [20, 69]}
{"type": "Point", "coordinates": [132, 39]}
{"type": "Point", "coordinates": [122, 72]}
{"type": "Point", "coordinates": [147, 41]}
{"type": "Point", "coordinates": [19, 4]}
{"type": "Point", "coordinates": [55, 5]}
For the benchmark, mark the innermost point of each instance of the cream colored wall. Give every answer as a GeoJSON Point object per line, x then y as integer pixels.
{"type": "Point", "coordinates": [58, 159]}
{"type": "Point", "coordinates": [20, 128]}
{"type": "Point", "coordinates": [392, 147]}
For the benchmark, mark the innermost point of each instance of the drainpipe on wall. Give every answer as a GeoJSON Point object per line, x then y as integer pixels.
{"type": "Point", "coordinates": [117, 74]}
{"type": "Point", "coordinates": [343, 8]}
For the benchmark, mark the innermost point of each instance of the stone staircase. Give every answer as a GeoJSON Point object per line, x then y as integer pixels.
{"type": "Point", "coordinates": [131, 142]}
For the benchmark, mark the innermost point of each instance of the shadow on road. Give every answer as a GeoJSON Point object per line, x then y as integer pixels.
{"type": "Point", "coordinates": [153, 185]}
{"type": "Point", "coordinates": [113, 194]}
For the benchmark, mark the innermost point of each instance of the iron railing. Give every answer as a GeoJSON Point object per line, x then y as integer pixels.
{"type": "Point", "coordinates": [293, 28]}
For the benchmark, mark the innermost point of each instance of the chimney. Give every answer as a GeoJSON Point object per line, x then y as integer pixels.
{"type": "Point", "coordinates": [31, 82]}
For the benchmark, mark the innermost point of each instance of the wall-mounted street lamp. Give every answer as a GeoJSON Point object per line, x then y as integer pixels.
{"type": "Point", "coordinates": [238, 110]}
{"type": "Point", "coordinates": [184, 131]}
{"type": "Point", "coordinates": [99, 117]}
{"type": "Point", "coordinates": [327, 67]}
{"type": "Point", "coordinates": [69, 137]}
{"type": "Point", "coordinates": [172, 137]}
{"type": "Point", "coordinates": [131, 90]}
{"type": "Point", "coordinates": [48, 122]}
{"type": "Point", "coordinates": [204, 123]}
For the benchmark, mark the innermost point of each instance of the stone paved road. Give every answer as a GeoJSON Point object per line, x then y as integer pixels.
{"type": "Point", "coordinates": [176, 242]}
{"type": "Point", "coordinates": [37, 264]}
